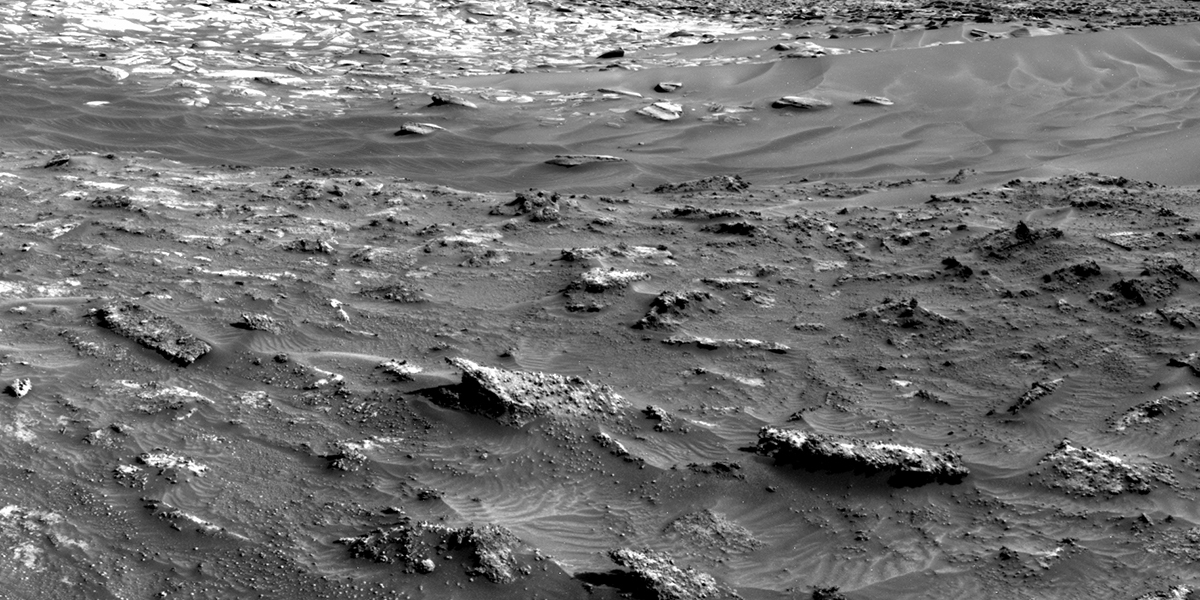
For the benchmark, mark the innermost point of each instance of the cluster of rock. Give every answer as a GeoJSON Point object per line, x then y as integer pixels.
{"type": "Point", "coordinates": [669, 309]}
{"type": "Point", "coordinates": [518, 397]}
{"type": "Point", "coordinates": [153, 331]}
{"type": "Point", "coordinates": [908, 465]}
{"type": "Point", "coordinates": [490, 551]}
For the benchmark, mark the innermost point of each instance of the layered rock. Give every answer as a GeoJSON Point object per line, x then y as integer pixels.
{"type": "Point", "coordinates": [153, 331]}
{"type": "Point", "coordinates": [518, 397]}
{"type": "Point", "coordinates": [908, 465]}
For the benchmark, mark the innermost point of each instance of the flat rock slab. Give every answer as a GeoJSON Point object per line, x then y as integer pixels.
{"type": "Point", "coordinates": [662, 111]}
{"type": "Point", "coordinates": [909, 465]}
{"type": "Point", "coordinates": [419, 129]}
{"type": "Point", "coordinates": [875, 100]}
{"type": "Point", "coordinates": [575, 160]}
{"type": "Point", "coordinates": [801, 103]}
{"type": "Point", "coordinates": [518, 397]}
{"type": "Point", "coordinates": [153, 331]}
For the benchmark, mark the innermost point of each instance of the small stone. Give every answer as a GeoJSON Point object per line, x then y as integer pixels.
{"type": "Point", "coordinates": [618, 53]}
{"type": "Point", "coordinates": [663, 111]}
{"type": "Point", "coordinates": [19, 388]}
{"type": "Point", "coordinates": [619, 92]}
{"type": "Point", "coordinates": [666, 87]}
{"type": "Point", "coordinates": [451, 100]}
{"type": "Point", "coordinates": [801, 103]}
{"type": "Point", "coordinates": [419, 129]}
{"type": "Point", "coordinates": [875, 100]}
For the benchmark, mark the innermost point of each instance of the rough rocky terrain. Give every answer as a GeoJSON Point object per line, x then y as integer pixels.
{"type": "Point", "coordinates": [413, 299]}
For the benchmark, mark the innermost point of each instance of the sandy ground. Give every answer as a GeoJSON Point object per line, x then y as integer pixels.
{"type": "Point", "coordinates": [434, 299]}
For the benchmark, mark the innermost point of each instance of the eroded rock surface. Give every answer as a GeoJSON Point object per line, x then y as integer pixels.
{"type": "Point", "coordinates": [488, 551]}
{"type": "Point", "coordinates": [518, 397]}
{"type": "Point", "coordinates": [153, 331]}
{"type": "Point", "coordinates": [908, 465]}
{"type": "Point", "coordinates": [661, 579]}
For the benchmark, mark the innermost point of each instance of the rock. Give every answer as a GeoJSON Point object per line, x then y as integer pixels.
{"type": "Point", "coordinates": [737, 344]}
{"type": "Point", "coordinates": [659, 578]}
{"type": "Point", "coordinates": [541, 206]}
{"type": "Point", "coordinates": [441, 99]}
{"type": "Point", "coordinates": [614, 446]}
{"type": "Point", "coordinates": [1178, 592]}
{"type": "Point", "coordinates": [663, 111]}
{"type": "Point", "coordinates": [668, 309]}
{"type": "Point", "coordinates": [19, 388]}
{"type": "Point", "coordinates": [1037, 391]}
{"type": "Point", "coordinates": [714, 531]}
{"type": "Point", "coordinates": [724, 183]}
{"type": "Point", "coordinates": [310, 246]}
{"type": "Point", "coordinates": [113, 73]}
{"type": "Point", "coordinates": [599, 280]}
{"type": "Point", "coordinates": [905, 313]}
{"type": "Point", "coordinates": [396, 292]}
{"type": "Point", "coordinates": [617, 53]}
{"type": "Point", "coordinates": [832, 592]}
{"type": "Point", "coordinates": [402, 369]}
{"type": "Point", "coordinates": [620, 92]}
{"type": "Point", "coordinates": [58, 160]}
{"type": "Point", "coordinates": [111, 201]}
{"type": "Point", "coordinates": [419, 129]}
{"type": "Point", "coordinates": [488, 551]}
{"type": "Point", "coordinates": [667, 87]}
{"type": "Point", "coordinates": [575, 160]}
{"type": "Point", "coordinates": [875, 100]}
{"type": "Point", "coordinates": [801, 103]}
{"type": "Point", "coordinates": [518, 397]}
{"type": "Point", "coordinates": [348, 456]}
{"type": "Point", "coordinates": [167, 462]}
{"type": "Point", "coordinates": [733, 228]}
{"type": "Point", "coordinates": [1151, 410]}
{"type": "Point", "coordinates": [257, 322]}
{"type": "Point", "coordinates": [909, 465]}
{"type": "Point", "coordinates": [1087, 472]}
{"type": "Point", "coordinates": [1005, 243]}
{"type": "Point", "coordinates": [153, 331]}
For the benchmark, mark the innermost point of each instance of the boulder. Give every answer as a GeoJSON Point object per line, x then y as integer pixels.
{"type": "Point", "coordinates": [19, 388]}
{"type": "Point", "coordinates": [658, 577]}
{"type": "Point", "coordinates": [907, 464]}
{"type": "Point", "coordinates": [518, 397]}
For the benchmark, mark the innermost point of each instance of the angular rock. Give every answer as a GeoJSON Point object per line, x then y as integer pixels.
{"type": "Point", "coordinates": [668, 309]}
{"type": "Point", "coordinates": [490, 551]}
{"type": "Point", "coordinates": [663, 111]}
{"type": "Point", "coordinates": [518, 397]}
{"type": "Point", "coordinates": [419, 129]}
{"type": "Point", "coordinates": [575, 160]}
{"type": "Point", "coordinates": [1037, 391]}
{"type": "Point", "coordinates": [667, 87]}
{"type": "Point", "coordinates": [153, 331]}
{"type": "Point", "coordinates": [875, 100]}
{"type": "Point", "coordinates": [801, 103]}
{"type": "Point", "coordinates": [58, 160]}
{"type": "Point", "coordinates": [442, 99]}
{"type": "Point", "coordinates": [309, 246]}
{"type": "Point", "coordinates": [659, 578]}
{"type": "Point", "coordinates": [1087, 472]}
{"type": "Point", "coordinates": [19, 388]}
{"type": "Point", "coordinates": [908, 465]}
{"type": "Point", "coordinates": [258, 322]}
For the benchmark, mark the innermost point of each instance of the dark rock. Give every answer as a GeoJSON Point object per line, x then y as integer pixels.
{"type": "Point", "coordinates": [575, 160]}
{"type": "Point", "coordinates": [832, 592]}
{"type": "Point", "coordinates": [111, 201]}
{"type": "Point", "coordinates": [1004, 244]}
{"type": "Point", "coordinates": [441, 99]}
{"type": "Point", "coordinates": [723, 183]}
{"type": "Point", "coordinates": [153, 331]}
{"type": "Point", "coordinates": [313, 246]}
{"type": "Point", "coordinates": [734, 228]}
{"type": "Point", "coordinates": [801, 103]}
{"type": "Point", "coordinates": [518, 397]}
{"type": "Point", "coordinates": [618, 53]}
{"type": "Point", "coordinates": [909, 465]}
{"type": "Point", "coordinates": [667, 87]}
{"type": "Point", "coordinates": [660, 579]}
{"type": "Point", "coordinates": [1037, 391]}
{"type": "Point", "coordinates": [58, 160]}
